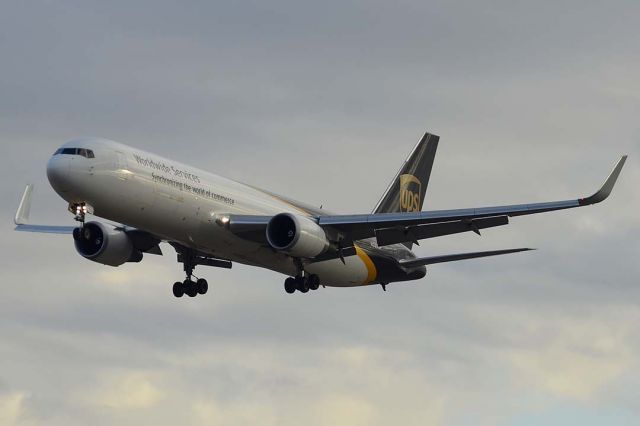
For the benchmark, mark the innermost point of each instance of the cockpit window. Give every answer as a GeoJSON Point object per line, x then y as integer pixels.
{"type": "Point", "coordinates": [87, 153]}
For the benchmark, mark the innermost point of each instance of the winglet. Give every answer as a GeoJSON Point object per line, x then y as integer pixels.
{"type": "Point", "coordinates": [22, 218]}
{"type": "Point", "coordinates": [606, 189]}
{"type": "Point", "coordinates": [22, 215]}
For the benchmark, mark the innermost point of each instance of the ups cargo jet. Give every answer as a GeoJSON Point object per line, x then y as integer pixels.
{"type": "Point", "coordinates": [213, 221]}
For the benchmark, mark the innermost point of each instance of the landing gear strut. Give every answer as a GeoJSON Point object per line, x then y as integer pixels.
{"type": "Point", "coordinates": [188, 286]}
{"type": "Point", "coordinates": [302, 283]}
{"type": "Point", "coordinates": [80, 212]}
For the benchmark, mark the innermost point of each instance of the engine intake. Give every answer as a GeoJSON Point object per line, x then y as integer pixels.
{"type": "Point", "coordinates": [105, 244]}
{"type": "Point", "coordinates": [297, 236]}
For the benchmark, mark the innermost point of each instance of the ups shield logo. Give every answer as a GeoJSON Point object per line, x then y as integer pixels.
{"type": "Point", "coordinates": [409, 193]}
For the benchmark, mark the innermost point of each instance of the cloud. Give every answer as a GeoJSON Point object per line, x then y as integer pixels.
{"type": "Point", "coordinates": [576, 353]}
{"type": "Point", "coordinates": [568, 374]}
{"type": "Point", "coordinates": [242, 385]}
{"type": "Point", "coordinates": [13, 410]}
{"type": "Point", "coordinates": [578, 361]}
{"type": "Point", "coordinates": [126, 391]}
{"type": "Point", "coordinates": [322, 102]}
{"type": "Point", "coordinates": [208, 412]}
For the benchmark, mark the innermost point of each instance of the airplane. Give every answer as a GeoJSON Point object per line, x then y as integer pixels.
{"type": "Point", "coordinates": [214, 221]}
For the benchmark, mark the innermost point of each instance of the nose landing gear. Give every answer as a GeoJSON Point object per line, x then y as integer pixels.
{"type": "Point", "coordinates": [80, 211]}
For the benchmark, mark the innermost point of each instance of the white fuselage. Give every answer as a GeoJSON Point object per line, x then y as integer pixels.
{"type": "Point", "coordinates": [179, 203]}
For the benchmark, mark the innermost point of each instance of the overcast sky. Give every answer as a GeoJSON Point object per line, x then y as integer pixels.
{"type": "Point", "coordinates": [321, 101]}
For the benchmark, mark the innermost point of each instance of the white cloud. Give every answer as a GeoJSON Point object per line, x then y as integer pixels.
{"type": "Point", "coordinates": [129, 390]}
{"type": "Point", "coordinates": [571, 355]}
{"type": "Point", "coordinates": [13, 411]}
{"type": "Point", "coordinates": [322, 102]}
{"type": "Point", "coordinates": [208, 412]}
{"type": "Point", "coordinates": [569, 374]}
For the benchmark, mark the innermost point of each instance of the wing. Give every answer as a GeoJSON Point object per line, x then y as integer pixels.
{"type": "Point", "coordinates": [142, 240]}
{"type": "Point", "coordinates": [393, 228]}
{"type": "Point", "coordinates": [418, 224]}
{"type": "Point", "coordinates": [22, 218]}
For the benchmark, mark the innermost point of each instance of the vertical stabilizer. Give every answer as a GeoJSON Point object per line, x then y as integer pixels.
{"type": "Point", "coordinates": [408, 188]}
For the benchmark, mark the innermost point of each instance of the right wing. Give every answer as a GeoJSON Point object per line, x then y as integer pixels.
{"type": "Point", "coordinates": [142, 240]}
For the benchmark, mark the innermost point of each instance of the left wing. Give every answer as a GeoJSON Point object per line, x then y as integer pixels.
{"type": "Point", "coordinates": [393, 228]}
{"type": "Point", "coordinates": [368, 225]}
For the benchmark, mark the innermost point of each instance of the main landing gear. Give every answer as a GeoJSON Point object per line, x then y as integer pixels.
{"type": "Point", "coordinates": [188, 286]}
{"type": "Point", "coordinates": [302, 283]}
{"type": "Point", "coordinates": [190, 258]}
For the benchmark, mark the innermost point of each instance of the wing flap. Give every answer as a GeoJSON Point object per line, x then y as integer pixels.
{"type": "Point", "coordinates": [395, 235]}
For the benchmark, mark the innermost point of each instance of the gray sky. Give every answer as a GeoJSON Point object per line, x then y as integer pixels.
{"type": "Point", "coordinates": [322, 101]}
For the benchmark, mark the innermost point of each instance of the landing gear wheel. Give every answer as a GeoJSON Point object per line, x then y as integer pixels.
{"type": "Point", "coordinates": [178, 289]}
{"type": "Point", "coordinates": [190, 288]}
{"type": "Point", "coordinates": [202, 285]}
{"type": "Point", "coordinates": [313, 282]}
{"type": "Point", "coordinates": [302, 285]}
{"type": "Point", "coordinates": [290, 285]}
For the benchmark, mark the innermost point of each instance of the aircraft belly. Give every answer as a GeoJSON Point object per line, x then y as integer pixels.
{"type": "Point", "coordinates": [182, 218]}
{"type": "Point", "coordinates": [334, 273]}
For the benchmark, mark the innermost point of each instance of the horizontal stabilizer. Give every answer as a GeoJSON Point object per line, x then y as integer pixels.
{"type": "Point", "coordinates": [412, 263]}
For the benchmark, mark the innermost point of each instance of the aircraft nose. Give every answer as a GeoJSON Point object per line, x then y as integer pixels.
{"type": "Point", "coordinates": [58, 173]}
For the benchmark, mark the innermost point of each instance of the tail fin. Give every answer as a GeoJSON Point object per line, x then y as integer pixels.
{"type": "Point", "coordinates": [407, 189]}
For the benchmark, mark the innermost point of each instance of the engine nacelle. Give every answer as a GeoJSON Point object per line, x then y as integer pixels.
{"type": "Point", "coordinates": [105, 244]}
{"type": "Point", "coordinates": [297, 236]}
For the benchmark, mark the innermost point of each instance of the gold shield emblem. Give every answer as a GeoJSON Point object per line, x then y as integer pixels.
{"type": "Point", "coordinates": [410, 193]}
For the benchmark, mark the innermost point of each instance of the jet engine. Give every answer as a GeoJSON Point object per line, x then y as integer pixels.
{"type": "Point", "coordinates": [105, 244]}
{"type": "Point", "coordinates": [297, 236]}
